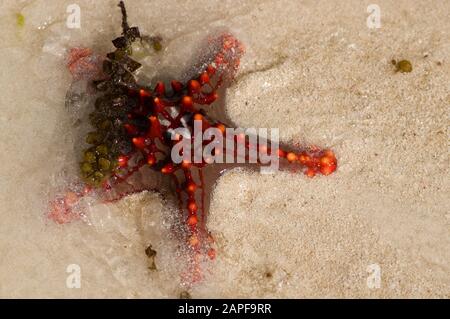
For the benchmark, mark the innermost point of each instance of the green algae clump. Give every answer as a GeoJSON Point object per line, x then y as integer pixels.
{"type": "Point", "coordinates": [20, 19]}
{"type": "Point", "coordinates": [403, 66]}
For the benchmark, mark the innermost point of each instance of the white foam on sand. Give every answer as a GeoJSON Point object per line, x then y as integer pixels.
{"type": "Point", "coordinates": [312, 69]}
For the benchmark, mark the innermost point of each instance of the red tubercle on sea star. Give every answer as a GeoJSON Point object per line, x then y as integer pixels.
{"type": "Point", "coordinates": [139, 122]}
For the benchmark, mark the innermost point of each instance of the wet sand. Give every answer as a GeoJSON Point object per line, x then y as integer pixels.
{"type": "Point", "coordinates": [314, 70]}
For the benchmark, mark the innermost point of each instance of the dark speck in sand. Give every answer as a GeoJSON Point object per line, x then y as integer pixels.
{"type": "Point", "coordinates": [185, 295]}
{"type": "Point", "coordinates": [151, 254]}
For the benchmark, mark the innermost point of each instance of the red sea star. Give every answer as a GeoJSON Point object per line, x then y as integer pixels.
{"type": "Point", "coordinates": [135, 132]}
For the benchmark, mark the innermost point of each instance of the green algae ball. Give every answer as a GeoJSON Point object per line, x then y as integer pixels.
{"type": "Point", "coordinates": [99, 176]}
{"type": "Point", "coordinates": [20, 19]}
{"type": "Point", "coordinates": [89, 157]}
{"type": "Point", "coordinates": [93, 138]}
{"type": "Point", "coordinates": [86, 168]}
{"type": "Point", "coordinates": [104, 164]}
{"type": "Point", "coordinates": [404, 66]}
{"type": "Point", "coordinates": [102, 149]}
{"type": "Point", "coordinates": [106, 124]}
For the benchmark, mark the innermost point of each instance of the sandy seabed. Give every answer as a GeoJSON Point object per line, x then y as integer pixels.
{"type": "Point", "coordinates": [313, 69]}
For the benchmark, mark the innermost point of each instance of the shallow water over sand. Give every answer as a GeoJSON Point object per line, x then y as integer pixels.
{"type": "Point", "coordinates": [312, 69]}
